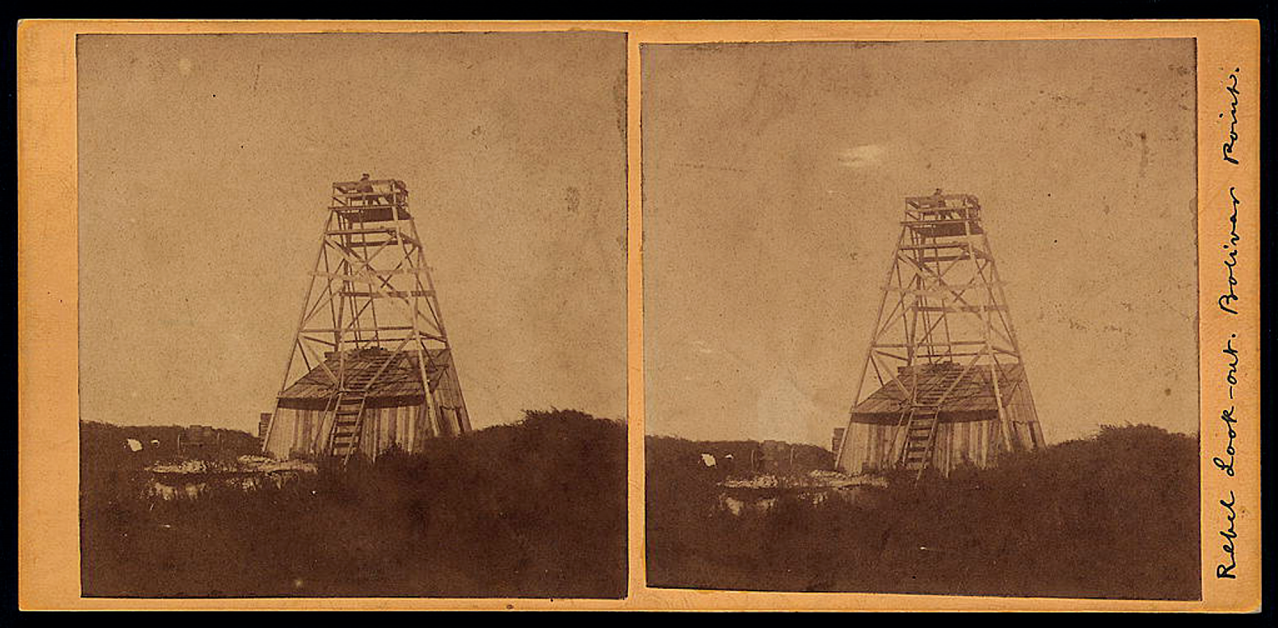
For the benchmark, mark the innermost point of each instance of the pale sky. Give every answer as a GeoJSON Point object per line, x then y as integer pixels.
{"type": "Point", "coordinates": [205, 166]}
{"type": "Point", "coordinates": [774, 177]}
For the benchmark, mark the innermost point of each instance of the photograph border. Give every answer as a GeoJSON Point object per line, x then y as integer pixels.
{"type": "Point", "coordinates": [1228, 79]}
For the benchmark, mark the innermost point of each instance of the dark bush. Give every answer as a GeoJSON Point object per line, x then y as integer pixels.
{"type": "Point", "coordinates": [1114, 516]}
{"type": "Point", "coordinates": [536, 509]}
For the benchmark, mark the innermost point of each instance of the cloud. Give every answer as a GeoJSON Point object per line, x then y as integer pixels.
{"type": "Point", "coordinates": [863, 156]}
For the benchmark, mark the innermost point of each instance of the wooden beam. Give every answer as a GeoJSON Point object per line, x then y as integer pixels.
{"type": "Point", "coordinates": [958, 309]}
{"type": "Point", "coordinates": [933, 245]}
{"type": "Point", "coordinates": [367, 230]}
{"type": "Point", "coordinates": [386, 294]}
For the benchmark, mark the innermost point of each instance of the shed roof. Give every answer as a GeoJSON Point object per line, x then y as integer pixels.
{"type": "Point", "coordinates": [399, 384]}
{"type": "Point", "coordinates": [972, 399]}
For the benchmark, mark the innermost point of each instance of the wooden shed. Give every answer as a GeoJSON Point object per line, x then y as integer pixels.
{"type": "Point", "coordinates": [396, 409]}
{"type": "Point", "coordinates": [969, 429]}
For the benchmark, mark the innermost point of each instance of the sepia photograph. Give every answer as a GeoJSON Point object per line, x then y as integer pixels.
{"type": "Point", "coordinates": [921, 317]}
{"type": "Point", "coordinates": [639, 315]}
{"type": "Point", "coordinates": [352, 315]}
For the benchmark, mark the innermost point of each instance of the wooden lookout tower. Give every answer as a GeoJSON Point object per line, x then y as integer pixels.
{"type": "Point", "coordinates": [944, 364]}
{"type": "Point", "coordinates": [371, 366]}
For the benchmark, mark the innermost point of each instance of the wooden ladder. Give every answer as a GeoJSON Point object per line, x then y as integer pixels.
{"type": "Point", "coordinates": [348, 410]}
{"type": "Point", "coordinates": [347, 422]}
{"type": "Point", "coordinates": [922, 421]}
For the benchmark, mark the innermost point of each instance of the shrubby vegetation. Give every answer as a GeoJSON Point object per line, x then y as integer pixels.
{"type": "Point", "coordinates": [1113, 516]}
{"type": "Point", "coordinates": [536, 509]}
